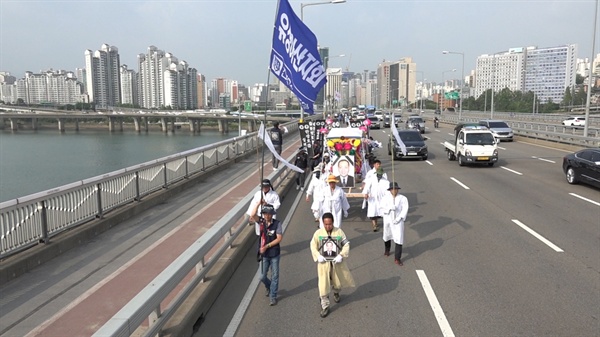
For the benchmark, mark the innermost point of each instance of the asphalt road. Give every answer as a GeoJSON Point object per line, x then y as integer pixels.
{"type": "Point", "coordinates": [489, 251]}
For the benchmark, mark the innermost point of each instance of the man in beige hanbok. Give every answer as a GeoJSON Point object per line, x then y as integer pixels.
{"type": "Point", "coordinates": [332, 271]}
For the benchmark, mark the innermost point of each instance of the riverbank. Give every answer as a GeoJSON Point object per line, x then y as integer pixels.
{"type": "Point", "coordinates": [91, 125]}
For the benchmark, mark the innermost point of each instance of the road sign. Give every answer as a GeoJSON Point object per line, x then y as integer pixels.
{"type": "Point", "coordinates": [248, 106]}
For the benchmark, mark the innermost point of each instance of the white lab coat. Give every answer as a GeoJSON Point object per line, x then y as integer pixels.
{"type": "Point", "coordinates": [394, 210]}
{"type": "Point", "coordinates": [336, 203]}
{"type": "Point", "coordinates": [316, 189]}
{"type": "Point", "coordinates": [375, 190]}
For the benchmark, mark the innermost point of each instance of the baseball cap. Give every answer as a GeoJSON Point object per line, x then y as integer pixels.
{"type": "Point", "coordinates": [268, 209]}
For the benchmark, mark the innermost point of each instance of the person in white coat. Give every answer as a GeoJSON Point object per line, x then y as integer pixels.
{"type": "Point", "coordinates": [334, 201]}
{"type": "Point", "coordinates": [375, 189]}
{"type": "Point", "coordinates": [315, 189]}
{"type": "Point", "coordinates": [394, 207]}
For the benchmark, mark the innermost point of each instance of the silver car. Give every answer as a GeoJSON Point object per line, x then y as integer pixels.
{"type": "Point", "coordinates": [416, 122]}
{"type": "Point", "coordinates": [499, 128]}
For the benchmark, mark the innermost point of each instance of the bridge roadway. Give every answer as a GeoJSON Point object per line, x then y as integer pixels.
{"type": "Point", "coordinates": [469, 268]}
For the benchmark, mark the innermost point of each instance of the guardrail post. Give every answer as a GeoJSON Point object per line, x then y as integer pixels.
{"type": "Point", "coordinates": [203, 163]}
{"type": "Point", "coordinates": [137, 186]}
{"type": "Point", "coordinates": [99, 200]}
{"type": "Point", "coordinates": [153, 317]}
{"type": "Point", "coordinates": [44, 217]}
{"type": "Point", "coordinates": [165, 175]}
{"type": "Point", "coordinates": [187, 171]}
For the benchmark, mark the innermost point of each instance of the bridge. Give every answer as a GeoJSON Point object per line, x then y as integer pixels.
{"type": "Point", "coordinates": [488, 251]}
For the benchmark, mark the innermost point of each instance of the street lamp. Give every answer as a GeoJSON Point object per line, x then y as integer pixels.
{"type": "Point", "coordinates": [318, 3]}
{"type": "Point", "coordinates": [443, 85]}
{"type": "Point", "coordinates": [302, 19]}
{"type": "Point", "coordinates": [422, 83]}
{"type": "Point", "coordinates": [462, 79]}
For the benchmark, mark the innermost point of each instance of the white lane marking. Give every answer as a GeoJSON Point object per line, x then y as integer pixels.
{"type": "Point", "coordinates": [501, 148]}
{"type": "Point", "coordinates": [539, 237]}
{"type": "Point", "coordinates": [428, 162]}
{"type": "Point", "coordinates": [542, 159]}
{"type": "Point", "coordinates": [586, 199]}
{"type": "Point", "coordinates": [513, 171]}
{"type": "Point", "coordinates": [451, 134]}
{"type": "Point", "coordinates": [435, 305]}
{"type": "Point", "coordinates": [461, 184]}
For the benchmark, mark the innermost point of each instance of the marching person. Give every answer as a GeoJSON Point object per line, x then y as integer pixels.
{"type": "Point", "coordinates": [394, 207]}
{"type": "Point", "coordinates": [267, 195]}
{"type": "Point", "coordinates": [334, 201]}
{"type": "Point", "coordinates": [332, 272]}
{"type": "Point", "coordinates": [374, 191]}
{"type": "Point", "coordinates": [276, 133]}
{"type": "Point", "coordinates": [301, 162]}
{"type": "Point", "coordinates": [373, 171]}
{"type": "Point", "coordinates": [270, 235]}
{"type": "Point", "coordinates": [315, 189]}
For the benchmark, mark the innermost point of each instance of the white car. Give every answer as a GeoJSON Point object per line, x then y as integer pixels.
{"type": "Point", "coordinates": [574, 121]}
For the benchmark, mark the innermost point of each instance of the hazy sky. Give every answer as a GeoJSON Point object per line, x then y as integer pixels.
{"type": "Point", "coordinates": [232, 38]}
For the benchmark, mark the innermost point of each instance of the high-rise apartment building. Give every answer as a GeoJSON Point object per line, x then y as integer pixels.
{"type": "Point", "coordinates": [545, 71]}
{"type": "Point", "coordinates": [334, 90]}
{"type": "Point", "coordinates": [201, 91]}
{"type": "Point", "coordinates": [164, 81]}
{"type": "Point", "coordinates": [103, 76]}
{"type": "Point", "coordinates": [129, 86]}
{"type": "Point", "coordinates": [396, 82]}
{"type": "Point", "coordinates": [52, 87]}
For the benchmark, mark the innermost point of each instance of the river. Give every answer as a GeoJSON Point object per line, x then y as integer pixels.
{"type": "Point", "coordinates": [35, 161]}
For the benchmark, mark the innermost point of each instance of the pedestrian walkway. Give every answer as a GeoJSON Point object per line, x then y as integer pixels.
{"type": "Point", "coordinates": [76, 293]}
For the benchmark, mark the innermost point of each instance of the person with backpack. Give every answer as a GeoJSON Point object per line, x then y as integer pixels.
{"type": "Point", "coordinates": [276, 133]}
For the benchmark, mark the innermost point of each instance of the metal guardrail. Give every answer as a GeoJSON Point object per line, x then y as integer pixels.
{"type": "Point", "coordinates": [538, 130]}
{"type": "Point", "coordinates": [36, 218]}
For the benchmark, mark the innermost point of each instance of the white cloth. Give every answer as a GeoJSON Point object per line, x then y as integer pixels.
{"type": "Point", "coordinates": [394, 211]}
{"type": "Point", "coordinates": [375, 190]}
{"type": "Point", "coordinates": [269, 144]}
{"type": "Point", "coordinates": [334, 202]}
{"type": "Point", "coordinates": [271, 198]}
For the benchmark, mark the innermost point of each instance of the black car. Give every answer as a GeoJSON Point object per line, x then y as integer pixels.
{"type": "Point", "coordinates": [583, 166]}
{"type": "Point", "coordinates": [414, 142]}
{"type": "Point", "coordinates": [387, 121]}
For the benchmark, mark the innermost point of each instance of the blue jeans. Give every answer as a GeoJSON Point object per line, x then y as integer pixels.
{"type": "Point", "coordinates": [273, 284]}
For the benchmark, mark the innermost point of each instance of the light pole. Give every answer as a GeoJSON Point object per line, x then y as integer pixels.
{"type": "Point", "coordinates": [443, 85]}
{"type": "Point", "coordinates": [327, 89]}
{"type": "Point", "coordinates": [462, 79]}
{"type": "Point", "coordinates": [302, 19]}
{"type": "Point", "coordinates": [318, 3]}
{"type": "Point", "coordinates": [422, 83]}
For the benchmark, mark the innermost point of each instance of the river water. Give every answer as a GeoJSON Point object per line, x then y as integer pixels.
{"type": "Point", "coordinates": [35, 161]}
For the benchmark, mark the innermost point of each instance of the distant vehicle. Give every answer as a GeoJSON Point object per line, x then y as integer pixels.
{"type": "Point", "coordinates": [437, 112]}
{"type": "Point", "coordinates": [473, 144]}
{"type": "Point", "coordinates": [583, 166]}
{"type": "Point", "coordinates": [416, 122]}
{"type": "Point", "coordinates": [414, 142]}
{"type": "Point", "coordinates": [379, 114]}
{"type": "Point", "coordinates": [387, 120]}
{"type": "Point", "coordinates": [500, 129]}
{"type": "Point", "coordinates": [574, 121]}
{"type": "Point", "coordinates": [375, 122]}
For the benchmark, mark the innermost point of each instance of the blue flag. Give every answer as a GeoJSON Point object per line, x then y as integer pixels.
{"type": "Point", "coordinates": [295, 57]}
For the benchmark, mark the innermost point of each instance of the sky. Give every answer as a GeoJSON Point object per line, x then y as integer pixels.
{"type": "Point", "coordinates": [232, 38]}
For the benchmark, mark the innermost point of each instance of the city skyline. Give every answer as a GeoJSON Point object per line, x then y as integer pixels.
{"type": "Point", "coordinates": [231, 39]}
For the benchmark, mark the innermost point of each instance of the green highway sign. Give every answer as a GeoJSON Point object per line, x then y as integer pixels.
{"type": "Point", "coordinates": [248, 106]}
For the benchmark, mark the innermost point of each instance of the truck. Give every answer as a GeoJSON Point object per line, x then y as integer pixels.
{"type": "Point", "coordinates": [472, 144]}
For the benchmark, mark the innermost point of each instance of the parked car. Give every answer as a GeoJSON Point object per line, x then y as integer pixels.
{"type": "Point", "coordinates": [414, 142]}
{"type": "Point", "coordinates": [416, 122]}
{"type": "Point", "coordinates": [574, 121]}
{"type": "Point", "coordinates": [500, 129]}
{"type": "Point", "coordinates": [583, 166]}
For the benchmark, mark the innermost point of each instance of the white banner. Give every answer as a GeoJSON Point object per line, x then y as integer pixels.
{"type": "Point", "coordinates": [269, 143]}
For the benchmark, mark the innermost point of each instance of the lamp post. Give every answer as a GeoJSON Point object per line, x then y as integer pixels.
{"type": "Point", "coordinates": [443, 85]}
{"type": "Point", "coordinates": [302, 19]}
{"type": "Point", "coordinates": [326, 63]}
{"type": "Point", "coordinates": [421, 93]}
{"type": "Point", "coordinates": [461, 81]}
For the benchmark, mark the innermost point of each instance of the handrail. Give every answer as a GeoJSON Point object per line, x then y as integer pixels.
{"type": "Point", "coordinates": [36, 218]}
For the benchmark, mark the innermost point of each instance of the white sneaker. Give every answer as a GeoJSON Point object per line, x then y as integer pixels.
{"type": "Point", "coordinates": [297, 187]}
{"type": "Point", "coordinates": [302, 188]}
